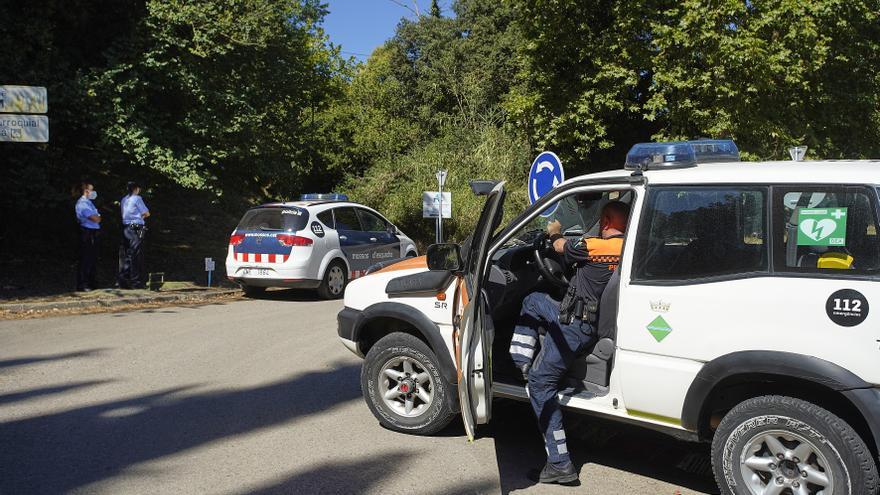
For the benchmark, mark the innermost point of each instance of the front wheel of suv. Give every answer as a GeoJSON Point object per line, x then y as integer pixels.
{"type": "Point", "coordinates": [403, 386]}
{"type": "Point", "coordinates": [782, 445]}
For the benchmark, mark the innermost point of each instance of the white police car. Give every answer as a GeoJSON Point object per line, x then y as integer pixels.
{"type": "Point", "coordinates": [320, 242]}
{"type": "Point", "coordinates": [740, 315]}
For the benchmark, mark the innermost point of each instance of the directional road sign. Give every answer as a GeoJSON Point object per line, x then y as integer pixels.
{"type": "Point", "coordinates": [545, 174]}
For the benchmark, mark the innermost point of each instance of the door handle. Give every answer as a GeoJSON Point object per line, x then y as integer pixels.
{"type": "Point", "coordinates": [343, 238]}
{"type": "Point", "coordinates": [373, 239]}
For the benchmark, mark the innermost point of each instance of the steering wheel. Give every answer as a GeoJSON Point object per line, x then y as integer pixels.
{"type": "Point", "coordinates": [549, 267]}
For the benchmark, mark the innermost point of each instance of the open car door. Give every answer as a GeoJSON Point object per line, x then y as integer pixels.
{"type": "Point", "coordinates": [474, 359]}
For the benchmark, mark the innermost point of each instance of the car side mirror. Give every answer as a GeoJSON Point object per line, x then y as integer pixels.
{"type": "Point", "coordinates": [444, 257]}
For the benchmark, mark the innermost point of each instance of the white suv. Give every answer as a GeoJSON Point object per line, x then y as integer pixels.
{"type": "Point", "coordinates": [739, 315]}
{"type": "Point", "coordinates": [312, 244]}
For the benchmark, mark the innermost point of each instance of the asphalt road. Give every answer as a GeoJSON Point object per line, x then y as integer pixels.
{"type": "Point", "coordinates": [260, 397]}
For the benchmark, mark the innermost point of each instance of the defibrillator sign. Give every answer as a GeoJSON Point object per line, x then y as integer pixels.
{"type": "Point", "coordinates": [821, 227]}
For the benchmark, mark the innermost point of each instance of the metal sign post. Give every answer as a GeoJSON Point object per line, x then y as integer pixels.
{"type": "Point", "coordinates": [441, 180]}
{"type": "Point", "coordinates": [209, 267]}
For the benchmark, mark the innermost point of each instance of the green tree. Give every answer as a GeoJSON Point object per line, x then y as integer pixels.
{"type": "Point", "coordinates": [596, 77]}
{"type": "Point", "coordinates": [220, 95]}
{"type": "Point", "coordinates": [435, 9]}
{"type": "Point", "coordinates": [770, 75]}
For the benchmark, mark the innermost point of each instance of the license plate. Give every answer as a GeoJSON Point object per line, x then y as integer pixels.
{"type": "Point", "coordinates": [260, 272]}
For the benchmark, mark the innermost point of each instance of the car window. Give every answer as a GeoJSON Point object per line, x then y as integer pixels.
{"type": "Point", "coordinates": [286, 219]}
{"type": "Point", "coordinates": [346, 219]}
{"type": "Point", "coordinates": [577, 213]}
{"type": "Point", "coordinates": [826, 229]}
{"type": "Point", "coordinates": [697, 232]}
{"type": "Point", "coordinates": [326, 217]}
{"type": "Point", "coordinates": [371, 222]}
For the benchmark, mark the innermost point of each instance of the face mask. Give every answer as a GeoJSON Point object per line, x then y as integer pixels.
{"type": "Point", "coordinates": [93, 194]}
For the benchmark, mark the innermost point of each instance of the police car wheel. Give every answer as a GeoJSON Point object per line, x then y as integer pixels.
{"type": "Point", "coordinates": [335, 279]}
{"type": "Point", "coordinates": [251, 291]}
{"type": "Point", "coordinates": [782, 445]}
{"type": "Point", "coordinates": [403, 386]}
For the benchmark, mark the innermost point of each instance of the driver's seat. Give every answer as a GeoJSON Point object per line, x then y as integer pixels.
{"type": "Point", "coordinates": [594, 365]}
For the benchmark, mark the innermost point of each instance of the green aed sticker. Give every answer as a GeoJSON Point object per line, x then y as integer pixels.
{"type": "Point", "coordinates": [821, 227]}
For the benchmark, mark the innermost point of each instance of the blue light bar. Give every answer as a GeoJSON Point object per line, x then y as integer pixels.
{"type": "Point", "coordinates": [652, 156]}
{"type": "Point", "coordinates": [715, 150]}
{"type": "Point", "coordinates": [323, 197]}
{"type": "Point", "coordinates": [680, 154]}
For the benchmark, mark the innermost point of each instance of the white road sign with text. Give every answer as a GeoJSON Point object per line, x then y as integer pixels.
{"type": "Point", "coordinates": [431, 204]}
{"type": "Point", "coordinates": [23, 99]}
{"type": "Point", "coordinates": [24, 128]}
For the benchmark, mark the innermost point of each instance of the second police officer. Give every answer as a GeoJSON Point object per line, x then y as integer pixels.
{"type": "Point", "coordinates": [569, 326]}
{"type": "Point", "coordinates": [131, 252]}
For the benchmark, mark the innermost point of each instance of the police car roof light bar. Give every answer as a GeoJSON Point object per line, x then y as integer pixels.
{"type": "Point", "coordinates": [680, 154]}
{"type": "Point", "coordinates": [323, 197]}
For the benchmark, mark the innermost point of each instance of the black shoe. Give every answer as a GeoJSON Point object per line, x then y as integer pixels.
{"type": "Point", "coordinates": [551, 474]}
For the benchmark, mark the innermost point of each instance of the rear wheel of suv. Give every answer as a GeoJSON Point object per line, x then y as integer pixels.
{"type": "Point", "coordinates": [781, 445]}
{"type": "Point", "coordinates": [333, 284]}
{"type": "Point", "coordinates": [251, 291]}
{"type": "Point", "coordinates": [403, 386]}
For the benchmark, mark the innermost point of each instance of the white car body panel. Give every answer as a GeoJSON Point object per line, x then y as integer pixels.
{"type": "Point", "coordinates": [306, 265]}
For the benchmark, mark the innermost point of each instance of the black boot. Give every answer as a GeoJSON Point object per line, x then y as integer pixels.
{"type": "Point", "coordinates": [552, 474]}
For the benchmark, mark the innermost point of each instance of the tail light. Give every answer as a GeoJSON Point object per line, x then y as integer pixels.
{"type": "Point", "coordinates": [236, 239]}
{"type": "Point", "coordinates": [293, 240]}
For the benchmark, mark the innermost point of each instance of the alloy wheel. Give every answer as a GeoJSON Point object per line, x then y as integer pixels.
{"type": "Point", "coordinates": [780, 462]}
{"type": "Point", "coordinates": [406, 386]}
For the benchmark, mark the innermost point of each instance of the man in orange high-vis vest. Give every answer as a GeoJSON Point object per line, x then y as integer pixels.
{"type": "Point", "coordinates": [569, 326]}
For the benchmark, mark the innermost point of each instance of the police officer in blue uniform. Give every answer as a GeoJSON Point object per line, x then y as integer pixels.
{"type": "Point", "coordinates": [569, 330]}
{"type": "Point", "coordinates": [89, 226]}
{"type": "Point", "coordinates": [131, 252]}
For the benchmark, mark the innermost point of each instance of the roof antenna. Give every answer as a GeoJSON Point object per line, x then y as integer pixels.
{"type": "Point", "coordinates": [797, 153]}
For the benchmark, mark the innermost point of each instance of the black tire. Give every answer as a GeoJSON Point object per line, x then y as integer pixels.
{"type": "Point", "coordinates": [252, 291]}
{"type": "Point", "coordinates": [328, 289]}
{"type": "Point", "coordinates": [749, 429]}
{"type": "Point", "coordinates": [434, 416]}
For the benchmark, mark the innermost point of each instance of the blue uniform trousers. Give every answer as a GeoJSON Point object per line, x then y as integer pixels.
{"type": "Point", "coordinates": [560, 346]}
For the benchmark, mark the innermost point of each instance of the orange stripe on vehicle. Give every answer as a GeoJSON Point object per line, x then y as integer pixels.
{"type": "Point", "coordinates": [407, 264]}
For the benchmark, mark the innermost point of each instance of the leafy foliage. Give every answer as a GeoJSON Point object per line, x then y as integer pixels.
{"type": "Point", "coordinates": [241, 101]}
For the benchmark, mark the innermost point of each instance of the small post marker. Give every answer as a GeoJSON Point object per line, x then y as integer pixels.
{"type": "Point", "coordinates": [209, 267]}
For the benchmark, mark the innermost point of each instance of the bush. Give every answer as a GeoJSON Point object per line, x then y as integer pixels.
{"type": "Point", "coordinates": [394, 186]}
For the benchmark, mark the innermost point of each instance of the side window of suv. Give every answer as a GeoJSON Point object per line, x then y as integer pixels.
{"type": "Point", "coordinates": [346, 219]}
{"type": "Point", "coordinates": [698, 232]}
{"type": "Point", "coordinates": [371, 222]}
{"type": "Point", "coordinates": [326, 217]}
{"type": "Point", "coordinates": [830, 229]}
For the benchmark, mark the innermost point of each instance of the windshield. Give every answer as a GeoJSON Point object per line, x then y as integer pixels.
{"type": "Point", "coordinates": [578, 214]}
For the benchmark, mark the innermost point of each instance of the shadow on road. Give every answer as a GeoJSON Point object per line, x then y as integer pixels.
{"type": "Point", "coordinates": [362, 476]}
{"type": "Point", "coordinates": [59, 452]}
{"type": "Point", "coordinates": [289, 295]}
{"type": "Point", "coordinates": [40, 392]}
{"type": "Point", "coordinates": [519, 449]}
{"type": "Point", "coordinates": [8, 363]}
